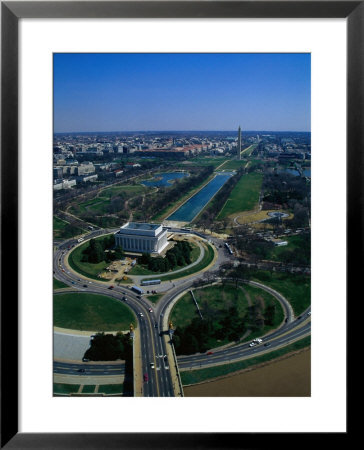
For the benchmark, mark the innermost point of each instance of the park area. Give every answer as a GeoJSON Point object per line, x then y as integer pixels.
{"type": "Point", "coordinates": [109, 200]}
{"type": "Point", "coordinates": [76, 260]}
{"type": "Point", "coordinates": [229, 313]}
{"type": "Point", "coordinates": [91, 312]}
{"type": "Point", "coordinates": [63, 229]}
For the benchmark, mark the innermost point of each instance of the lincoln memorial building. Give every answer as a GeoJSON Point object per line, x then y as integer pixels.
{"type": "Point", "coordinates": [141, 237]}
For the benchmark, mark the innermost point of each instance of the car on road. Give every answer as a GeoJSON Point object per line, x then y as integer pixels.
{"type": "Point", "coordinates": [84, 285]}
{"type": "Point", "coordinates": [309, 313]}
{"type": "Point", "coordinates": [252, 344]}
{"type": "Point", "coordinates": [150, 310]}
{"type": "Point", "coordinates": [124, 299]}
{"type": "Point", "coordinates": [140, 314]}
{"type": "Point", "coordinates": [258, 340]}
{"type": "Point", "coordinates": [156, 325]}
{"type": "Point", "coordinates": [209, 353]}
{"type": "Point", "coordinates": [267, 344]}
{"type": "Point", "coordinates": [111, 287]}
{"type": "Point", "coordinates": [145, 377]}
{"type": "Point", "coordinates": [85, 360]}
{"type": "Point", "coordinates": [151, 365]}
{"type": "Point", "coordinates": [81, 370]}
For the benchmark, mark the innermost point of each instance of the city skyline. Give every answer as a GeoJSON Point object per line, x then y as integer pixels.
{"type": "Point", "coordinates": [181, 92]}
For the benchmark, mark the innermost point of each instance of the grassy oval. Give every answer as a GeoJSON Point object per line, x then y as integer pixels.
{"type": "Point", "coordinates": [91, 312]}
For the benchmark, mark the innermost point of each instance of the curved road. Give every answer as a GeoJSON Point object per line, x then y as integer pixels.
{"type": "Point", "coordinates": [153, 325]}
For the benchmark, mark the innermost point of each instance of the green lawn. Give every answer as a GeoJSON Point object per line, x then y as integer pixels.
{"type": "Point", "coordinates": [297, 251]}
{"type": "Point", "coordinates": [63, 229]}
{"type": "Point", "coordinates": [296, 288]}
{"type": "Point", "coordinates": [91, 312]}
{"type": "Point", "coordinates": [88, 389]}
{"type": "Point", "coordinates": [234, 164]}
{"type": "Point", "coordinates": [100, 202]}
{"type": "Point", "coordinates": [244, 196]}
{"type": "Point", "coordinates": [58, 284]}
{"type": "Point", "coordinates": [249, 150]}
{"type": "Point", "coordinates": [60, 388]}
{"type": "Point", "coordinates": [85, 268]}
{"type": "Point", "coordinates": [111, 388]}
{"type": "Point", "coordinates": [221, 298]}
{"type": "Point", "coordinates": [154, 298]}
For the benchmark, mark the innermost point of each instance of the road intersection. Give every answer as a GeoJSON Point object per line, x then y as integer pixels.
{"type": "Point", "coordinates": [154, 358]}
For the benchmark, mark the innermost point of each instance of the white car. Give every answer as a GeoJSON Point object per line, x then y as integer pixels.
{"type": "Point", "coordinates": [258, 340]}
{"type": "Point", "coordinates": [252, 344]}
{"type": "Point", "coordinates": [152, 365]}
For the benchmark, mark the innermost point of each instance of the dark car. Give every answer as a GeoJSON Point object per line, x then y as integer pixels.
{"type": "Point", "coordinates": [145, 377]}
{"type": "Point", "coordinates": [156, 325]}
{"type": "Point", "coordinates": [267, 344]}
{"type": "Point", "coordinates": [111, 287]}
{"type": "Point", "coordinates": [81, 370]}
{"type": "Point", "coordinates": [209, 353]}
{"type": "Point", "coordinates": [85, 285]}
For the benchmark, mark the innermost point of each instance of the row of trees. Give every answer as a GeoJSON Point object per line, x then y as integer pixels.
{"type": "Point", "coordinates": [102, 250]}
{"type": "Point", "coordinates": [178, 256]}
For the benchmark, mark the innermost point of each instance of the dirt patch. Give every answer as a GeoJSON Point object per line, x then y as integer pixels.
{"type": "Point", "coordinates": [287, 376]}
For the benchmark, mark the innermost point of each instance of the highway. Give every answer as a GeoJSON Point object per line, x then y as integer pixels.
{"type": "Point", "coordinates": [153, 325]}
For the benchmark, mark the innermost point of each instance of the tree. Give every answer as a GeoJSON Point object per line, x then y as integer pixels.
{"type": "Point", "coordinates": [119, 252]}
{"type": "Point", "coordinates": [145, 258]}
{"type": "Point", "coordinates": [94, 252]}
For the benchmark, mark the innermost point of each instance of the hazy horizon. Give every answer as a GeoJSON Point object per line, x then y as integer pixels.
{"type": "Point", "coordinates": [179, 131]}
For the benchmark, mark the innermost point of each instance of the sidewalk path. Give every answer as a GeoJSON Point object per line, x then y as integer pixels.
{"type": "Point", "coordinates": [88, 379]}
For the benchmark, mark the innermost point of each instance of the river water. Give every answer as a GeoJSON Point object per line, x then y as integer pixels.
{"type": "Point", "coordinates": [164, 179]}
{"type": "Point", "coordinates": [189, 210]}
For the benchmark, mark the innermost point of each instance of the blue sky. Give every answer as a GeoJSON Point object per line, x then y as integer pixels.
{"type": "Point", "coordinates": [147, 92]}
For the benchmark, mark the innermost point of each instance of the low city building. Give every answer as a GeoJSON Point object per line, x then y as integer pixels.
{"type": "Point", "coordinates": [86, 168]}
{"type": "Point", "coordinates": [86, 178]}
{"type": "Point", "coordinates": [142, 237]}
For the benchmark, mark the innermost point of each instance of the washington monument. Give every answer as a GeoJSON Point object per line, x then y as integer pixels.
{"type": "Point", "coordinates": [239, 143]}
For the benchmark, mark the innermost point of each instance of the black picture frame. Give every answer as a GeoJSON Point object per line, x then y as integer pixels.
{"type": "Point", "coordinates": [11, 12]}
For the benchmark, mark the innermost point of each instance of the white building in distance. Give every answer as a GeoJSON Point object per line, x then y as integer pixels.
{"type": "Point", "coordinates": [141, 237]}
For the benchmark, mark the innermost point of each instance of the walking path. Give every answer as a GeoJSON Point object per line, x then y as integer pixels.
{"type": "Point", "coordinates": [88, 379]}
